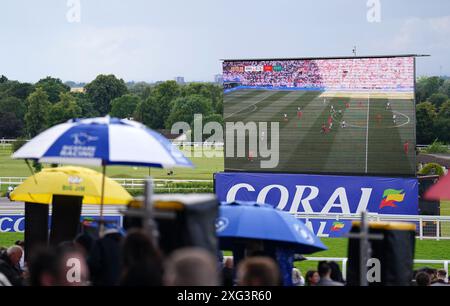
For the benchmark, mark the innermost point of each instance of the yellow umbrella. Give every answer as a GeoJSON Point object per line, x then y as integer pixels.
{"type": "Point", "coordinates": [71, 181]}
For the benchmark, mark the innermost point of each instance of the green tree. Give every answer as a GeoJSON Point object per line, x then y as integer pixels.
{"type": "Point", "coordinates": [86, 105]}
{"type": "Point", "coordinates": [67, 108]}
{"type": "Point", "coordinates": [219, 107]}
{"type": "Point", "coordinates": [36, 117]}
{"type": "Point", "coordinates": [10, 125]}
{"type": "Point", "coordinates": [437, 99]}
{"type": "Point", "coordinates": [103, 90]}
{"type": "Point", "coordinates": [147, 112]}
{"type": "Point", "coordinates": [445, 88]}
{"type": "Point", "coordinates": [14, 105]}
{"type": "Point", "coordinates": [442, 128]}
{"type": "Point", "coordinates": [213, 92]}
{"type": "Point", "coordinates": [425, 116]}
{"type": "Point", "coordinates": [426, 86]}
{"type": "Point", "coordinates": [16, 89]}
{"type": "Point", "coordinates": [12, 112]}
{"type": "Point", "coordinates": [444, 110]}
{"type": "Point", "coordinates": [141, 89]}
{"type": "Point", "coordinates": [164, 93]}
{"type": "Point", "coordinates": [184, 108]}
{"type": "Point", "coordinates": [53, 87]}
{"type": "Point", "coordinates": [124, 106]}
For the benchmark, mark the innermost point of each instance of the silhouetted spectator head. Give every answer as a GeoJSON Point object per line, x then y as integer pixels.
{"type": "Point", "coordinates": [191, 267]}
{"type": "Point", "coordinates": [312, 278]}
{"type": "Point", "coordinates": [441, 274]}
{"type": "Point", "coordinates": [138, 247]}
{"type": "Point", "coordinates": [423, 279]}
{"type": "Point", "coordinates": [258, 271]}
{"type": "Point", "coordinates": [84, 242]}
{"type": "Point", "coordinates": [14, 253]}
{"type": "Point", "coordinates": [324, 269]}
{"type": "Point", "coordinates": [336, 273]}
{"type": "Point", "coordinates": [20, 243]}
{"type": "Point", "coordinates": [229, 263]}
{"type": "Point", "coordinates": [64, 266]}
{"type": "Point", "coordinates": [142, 262]}
{"type": "Point", "coordinates": [43, 268]}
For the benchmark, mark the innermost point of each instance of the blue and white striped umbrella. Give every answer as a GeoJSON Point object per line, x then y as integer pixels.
{"type": "Point", "coordinates": [103, 141]}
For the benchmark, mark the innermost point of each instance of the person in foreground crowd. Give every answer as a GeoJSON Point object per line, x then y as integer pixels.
{"type": "Point", "coordinates": [141, 261]}
{"type": "Point", "coordinates": [325, 270]}
{"type": "Point", "coordinates": [258, 271]}
{"type": "Point", "coordinates": [297, 278]}
{"type": "Point", "coordinates": [441, 275]}
{"type": "Point", "coordinates": [228, 273]}
{"type": "Point", "coordinates": [52, 267]}
{"type": "Point", "coordinates": [423, 279]}
{"type": "Point", "coordinates": [104, 260]}
{"type": "Point", "coordinates": [312, 278]}
{"type": "Point", "coordinates": [10, 265]}
{"type": "Point", "coordinates": [191, 267]}
{"type": "Point", "coordinates": [336, 274]}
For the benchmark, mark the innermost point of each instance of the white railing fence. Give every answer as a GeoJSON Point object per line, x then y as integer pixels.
{"type": "Point", "coordinates": [135, 183]}
{"type": "Point", "coordinates": [427, 227]}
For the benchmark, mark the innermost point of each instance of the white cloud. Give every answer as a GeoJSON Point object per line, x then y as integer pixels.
{"type": "Point", "coordinates": [423, 33]}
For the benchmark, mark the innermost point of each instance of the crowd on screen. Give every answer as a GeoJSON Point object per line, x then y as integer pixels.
{"type": "Point", "coordinates": [332, 74]}
{"type": "Point", "coordinates": [134, 260]}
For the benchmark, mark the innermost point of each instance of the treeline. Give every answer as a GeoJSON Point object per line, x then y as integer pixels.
{"type": "Point", "coordinates": [433, 110]}
{"type": "Point", "coordinates": [27, 109]}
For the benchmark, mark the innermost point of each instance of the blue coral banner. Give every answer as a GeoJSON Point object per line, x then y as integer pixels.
{"type": "Point", "coordinates": [302, 193]}
{"type": "Point", "coordinates": [16, 223]}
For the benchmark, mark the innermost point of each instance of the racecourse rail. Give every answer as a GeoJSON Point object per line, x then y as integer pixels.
{"type": "Point", "coordinates": [159, 185]}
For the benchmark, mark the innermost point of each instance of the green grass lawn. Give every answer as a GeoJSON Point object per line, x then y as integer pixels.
{"type": "Point", "coordinates": [445, 208]}
{"type": "Point", "coordinates": [204, 168]}
{"type": "Point", "coordinates": [425, 249]}
{"type": "Point", "coordinates": [8, 239]}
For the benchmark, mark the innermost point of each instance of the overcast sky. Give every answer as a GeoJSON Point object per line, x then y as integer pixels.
{"type": "Point", "coordinates": [144, 40]}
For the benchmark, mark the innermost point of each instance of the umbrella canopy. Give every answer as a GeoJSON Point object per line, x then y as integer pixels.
{"type": "Point", "coordinates": [264, 222]}
{"type": "Point", "coordinates": [103, 141]}
{"type": "Point", "coordinates": [71, 181]}
{"type": "Point", "coordinates": [440, 190]}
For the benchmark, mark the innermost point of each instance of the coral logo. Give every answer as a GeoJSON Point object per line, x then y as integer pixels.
{"type": "Point", "coordinates": [336, 226]}
{"type": "Point", "coordinates": [391, 197]}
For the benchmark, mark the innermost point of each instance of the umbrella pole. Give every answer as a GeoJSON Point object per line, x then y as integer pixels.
{"type": "Point", "coordinates": [102, 199]}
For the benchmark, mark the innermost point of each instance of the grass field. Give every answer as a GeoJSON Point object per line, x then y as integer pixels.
{"type": "Point", "coordinates": [371, 142]}
{"type": "Point", "coordinates": [204, 168]}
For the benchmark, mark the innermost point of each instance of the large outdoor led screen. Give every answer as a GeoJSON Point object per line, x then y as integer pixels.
{"type": "Point", "coordinates": [336, 115]}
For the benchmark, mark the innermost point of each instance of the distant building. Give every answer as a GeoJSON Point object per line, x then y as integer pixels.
{"type": "Point", "coordinates": [179, 79]}
{"type": "Point", "coordinates": [77, 89]}
{"type": "Point", "coordinates": [218, 78]}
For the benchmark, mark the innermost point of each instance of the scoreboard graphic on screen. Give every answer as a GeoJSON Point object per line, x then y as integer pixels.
{"type": "Point", "coordinates": [353, 115]}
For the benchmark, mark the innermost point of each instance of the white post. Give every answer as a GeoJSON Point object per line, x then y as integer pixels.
{"type": "Point", "coordinates": [446, 270]}
{"type": "Point", "coordinates": [344, 268]}
{"type": "Point", "coordinates": [438, 225]}
{"type": "Point", "coordinates": [420, 229]}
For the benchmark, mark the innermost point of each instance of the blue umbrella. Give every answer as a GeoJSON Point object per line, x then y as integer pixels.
{"type": "Point", "coordinates": [263, 222]}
